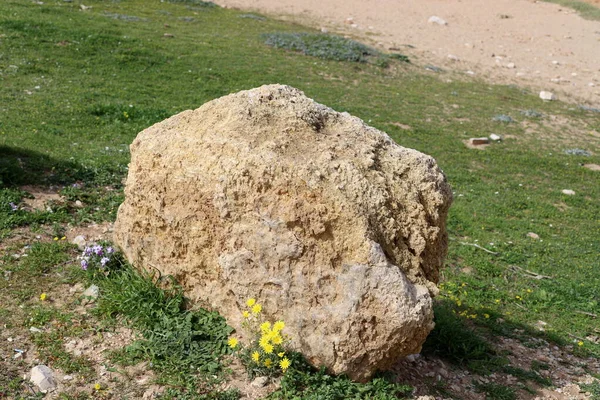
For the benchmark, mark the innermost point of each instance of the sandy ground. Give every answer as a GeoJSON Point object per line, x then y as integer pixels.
{"type": "Point", "coordinates": [530, 43]}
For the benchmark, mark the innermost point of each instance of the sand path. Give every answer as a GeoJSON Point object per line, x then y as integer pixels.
{"type": "Point", "coordinates": [530, 43]}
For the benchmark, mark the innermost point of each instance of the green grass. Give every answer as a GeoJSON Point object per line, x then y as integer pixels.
{"type": "Point", "coordinates": [586, 10]}
{"type": "Point", "coordinates": [307, 383]}
{"type": "Point", "coordinates": [79, 85]}
{"type": "Point", "coordinates": [176, 340]}
{"type": "Point", "coordinates": [593, 389]}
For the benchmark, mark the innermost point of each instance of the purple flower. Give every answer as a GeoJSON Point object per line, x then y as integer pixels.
{"type": "Point", "coordinates": [98, 250]}
{"type": "Point", "coordinates": [13, 206]}
{"type": "Point", "coordinates": [104, 261]}
{"type": "Point", "coordinates": [84, 265]}
{"type": "Point", "coordinates": [87, 251]}
{"type": "Point", "coordinates": [110, 250]}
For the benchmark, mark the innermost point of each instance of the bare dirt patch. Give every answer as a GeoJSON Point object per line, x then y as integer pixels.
{"type": "Point", "coordinates": [566, 371]}
{"type": "Point", "coordinates": [532, 43]}
{"type": "Point", "coordinates": [40, 197]}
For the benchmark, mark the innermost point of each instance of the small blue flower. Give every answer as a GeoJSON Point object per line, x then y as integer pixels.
{"type": "Point", "coordinates": [13, 206]}
{"type": "Point", "coordinates": [87, 251]}
{"type": "Point", "coordinates": [84, 265]}
{"type": "Point", "coordinates": [110, 250]}
{"type": "Point", "coordinates": [98, 250]}
{"type": "Point", "coordinates": [104, 261]}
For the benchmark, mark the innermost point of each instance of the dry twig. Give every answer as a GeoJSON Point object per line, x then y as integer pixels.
{"type": "Point", "coordinates": [587, 313]}
{"type": "Point", "coordinates": [529, 274]}
{"type": "Point", "coordinates": [479, 247]}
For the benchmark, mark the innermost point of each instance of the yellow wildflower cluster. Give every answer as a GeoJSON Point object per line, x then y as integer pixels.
{"type": "Point", "coordinates": [266, 354]}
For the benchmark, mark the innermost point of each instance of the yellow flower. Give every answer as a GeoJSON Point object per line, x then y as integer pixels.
{"type": "Point", "coordinates": [257, 308]}
{"type": "Point", "coordinates": [232, 342]}
{"type": "Point", "coordinates": [63, 238]}
{"type": "Point", "coordinates": [268, 348]}
{"type": "Point", "coordinates": [281, 354]}
{"type": "Point", "coordinates": [284, 364]}
{"type": "Point", "coordinates": [56, 238]}
{"type": "Point", "coordinates": [264, 340]}
{"type": "Point", "coordinates": [580, 343]}
{"type": "Point", "coordinates": [486, 315]}
{"type": "Point", "coordinates": [43, 296]}
{"type": "Point", "coordinates": [265, 327]}
{"type": "Point", "coordinates": [268, 363]}
{"type": "Point", "coordinates": [251, 302]}
{"type": "Point", "coordinates": [246, 314]}
{"type": "Point", "coordinates": [255, 356]}
{"type": "Point", "coordinates": [277, 339]}
{"type": "Point", "coordinates": [97, 386]}
{"type": "Point", "coordinates": [278, 326]}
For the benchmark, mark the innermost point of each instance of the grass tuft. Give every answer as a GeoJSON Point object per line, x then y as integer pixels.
{"type": "Point", "coordinates": [454, 341]}
{"type": "Point", "coordinates": [495, 391]}
{"type": "Point", "coordinates": [586, 10]}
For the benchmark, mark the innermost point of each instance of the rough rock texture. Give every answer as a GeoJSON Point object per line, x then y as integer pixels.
{"type": "Point", "coordinates": [326, 221]}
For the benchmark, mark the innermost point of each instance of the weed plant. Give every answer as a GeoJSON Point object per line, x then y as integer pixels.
{"type": "Point", "coordinates": [180, 343]}
{"type": "Point", "coordinates": [303, 382]}
{"type": "Point", "coordinates": [325, 46]}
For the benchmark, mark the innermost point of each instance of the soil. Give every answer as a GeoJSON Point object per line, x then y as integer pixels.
{"type": "Point", "coordinates": [535, 44]}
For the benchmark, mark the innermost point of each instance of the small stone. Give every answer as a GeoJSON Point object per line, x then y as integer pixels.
{"type": "Point", "coordinates": [84, 7]}
{"type": "Point", "coordinates": [503, 118]}
{"type": "Point", "coordinates": [591, 84]}
{"type": "Point", "coordinates": [578, 152]}
{"type": "Point", "coordinates": [479, 141]}
{"type": "Point", "coordinates": [511, 65]}
{"type": "Point", "coordinates": [33, 329]}
{"type": "Point", "coordinates": [495, 138]}
{"type": "Point", "coordinates": [168, 35]}
{"type": "Point", "coordinates": [43, 378]}
{"type": "Point", "coordinates": [443, 373]}
{"type": "Point", "coordinates": [520, 74]}
{"type": "Point", "coordinates": [470, 73]}
{"type": "Point", "coordinates": [67, 378]}
{"type": "Point", "coordinates": [91, 293]}
{"type": "Point", "coordinates": [324, 30]}
{"type": "Point", "coordinates": [79, 241]}
{"type": "Point", "coordinates": [17, 356]}
{"type": "Point", "coordinates": [547, 96]}
{"type": "Point", "coordinates": [555, 62]}
{"type": "Point", "coordinates": [533, 235]}
{"type": "Point", "coordinates": [78, 204]}
{"type": "Point", "coordinates": [593, 167]}
{"type": "Point", "coordinates": [413, 357]}
{"type": "Point", "coordinates": [568, 192]}
{"type": "Point", "coordinates": [453, 57]}
{"type": "Point", "coordinates": [433, 68]}
{"type": "Point", "coordinates": [436, 20]}
{"type": "Point", "coordinates": [541, 325]}
{"type": "Point", "coordinates": [260, 381]}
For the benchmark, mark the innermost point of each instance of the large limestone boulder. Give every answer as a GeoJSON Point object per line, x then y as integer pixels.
{"type": "Point", "coordinates": [331, 225]}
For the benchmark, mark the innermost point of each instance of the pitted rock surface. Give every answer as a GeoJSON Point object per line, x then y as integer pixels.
{"type": "Point", "coordinates": [330, 224]}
